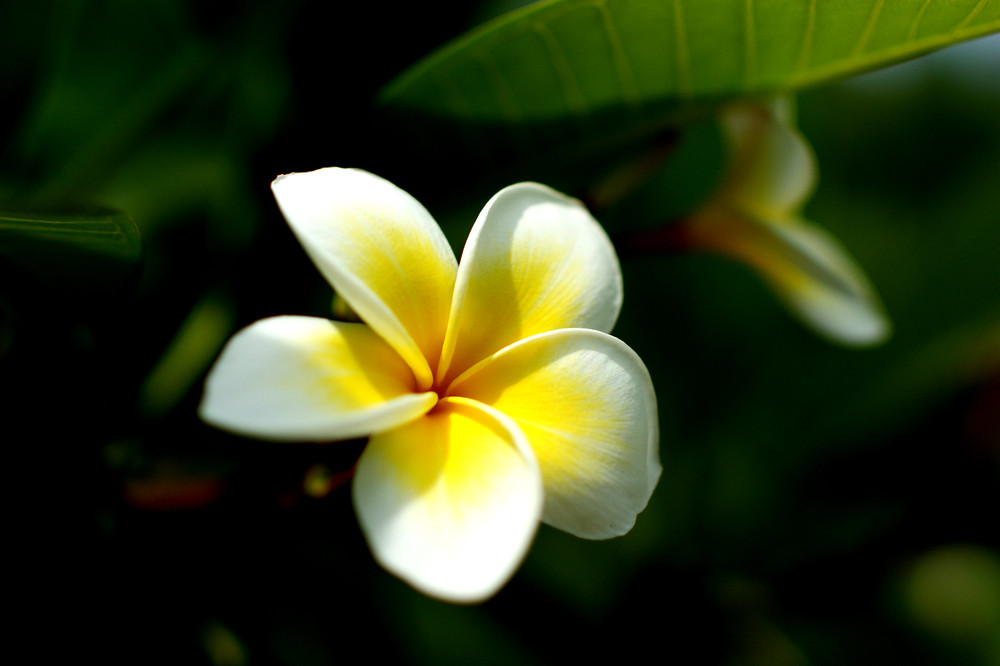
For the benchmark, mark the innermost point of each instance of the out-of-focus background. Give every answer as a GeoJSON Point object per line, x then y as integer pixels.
{"type": "Point", "coordinates": [819, 505]}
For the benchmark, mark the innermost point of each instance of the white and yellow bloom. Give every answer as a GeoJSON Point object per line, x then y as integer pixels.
{"type": "Point", "coordinates": [754, 218]}
{"type": "Point", "coordinates": [491, 391]}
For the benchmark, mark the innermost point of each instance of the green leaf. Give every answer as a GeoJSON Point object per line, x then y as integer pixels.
{"type": "Point", "coordinates": [195, 344]}
{"type": "Point", "coordinates": [72, 251]}
{"type": "Point", "coordinates": [564, 70]}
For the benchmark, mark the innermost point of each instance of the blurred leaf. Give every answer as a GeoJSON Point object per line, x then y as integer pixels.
{"type": "Point", "coordinates": [194, 346]}
{"type": "Point", "coordinates": [223, 646]}
{"type": "Point", "coordinates": [75, 251]}
{"type": "Point", "coordinates": [952, 594]}
{"type": "Point", "coordinates": [564, 70]}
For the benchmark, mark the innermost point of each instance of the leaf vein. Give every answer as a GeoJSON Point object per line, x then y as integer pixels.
{"type": "Point", "coordinates": [968, 19]}
{"type": "Point", "coordinates": [505, 100]}
{"type": "Point", "coordinates": [866, 34]}
{"type": "Point", "coordinates": [57, 226]}
{"type": "Point", "coordinates": [683, 55]}
{"type": "Point", "coordinates": [805, 49]}
{"type": "Point", "coordinates": [572, 93]}
{"type": "Point", "coordinates": [912, 33]}
{"type": "Point", "coordinates": [630, 91]}
{"type": "Point", "coordinates": [750, 44]}
{"type": "Point", "coordinates": [450, 91]}
{"type": "Point", "coordinates": [49, 230]}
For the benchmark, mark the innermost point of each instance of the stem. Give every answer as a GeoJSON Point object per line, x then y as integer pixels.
{"type": "Point", "coordinates": [631, 175]}
{"type": "Point", "coordinates": [670, 238]}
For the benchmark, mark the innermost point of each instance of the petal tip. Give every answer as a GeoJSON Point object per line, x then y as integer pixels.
{"type": "Point", "coordinates": [871, 329]}
{"type": "Point", "coordinates": [450, 504]}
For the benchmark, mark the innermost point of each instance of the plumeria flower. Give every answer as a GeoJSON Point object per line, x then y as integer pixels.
{"type": "Point", "coordinates": [491, 391]}
{"type": "Point", "coordinates": [754, 217]}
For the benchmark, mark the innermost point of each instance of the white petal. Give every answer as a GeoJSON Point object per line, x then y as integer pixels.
{"type": "Point", "coordinates": [535, 261]}
{"type": "Point", "coordinates": [836, 299]}
{"type": "Point", "coordinates": [450, 503]}
{"type": "Point", "coordinates": [772, 166]}
{"type": "Point", "coordinates": [310, 379]}
{"type": "Point", "coordinates": [586, 404]}
{"type": "Point", "coordinates": [806, 267]}
{"type": "Point", "coordinates": [381, 251]}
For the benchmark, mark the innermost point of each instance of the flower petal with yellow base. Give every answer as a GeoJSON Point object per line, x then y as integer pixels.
{"type": "Point", "coordinates": [492, 392]}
